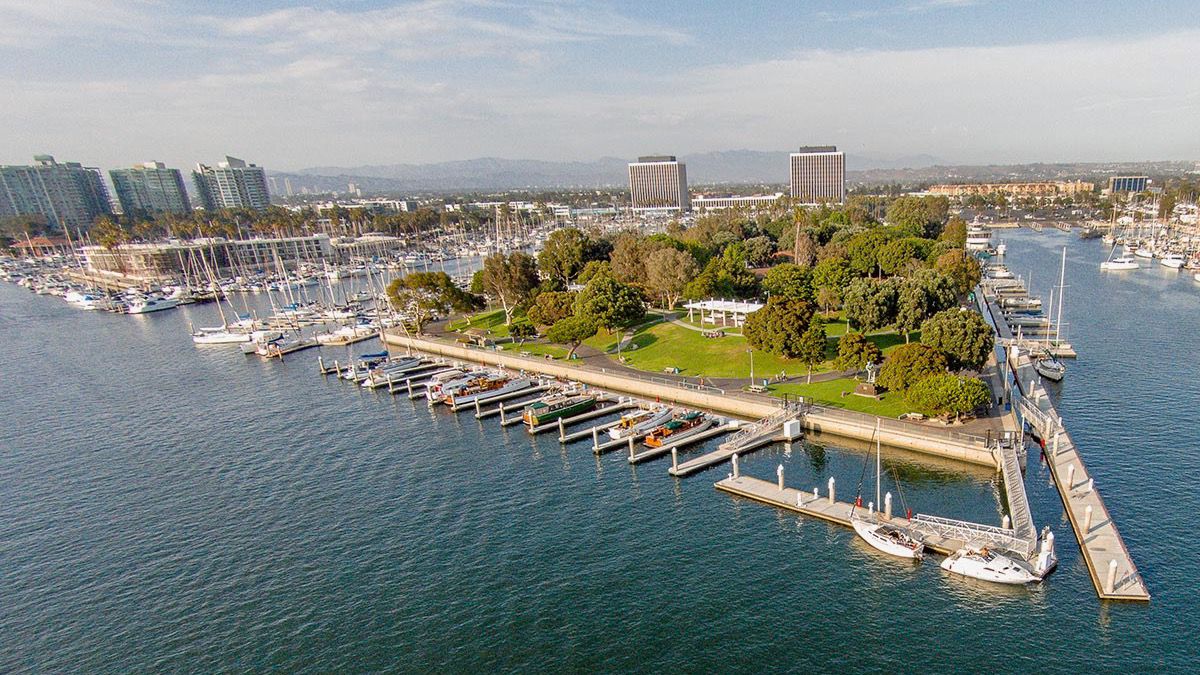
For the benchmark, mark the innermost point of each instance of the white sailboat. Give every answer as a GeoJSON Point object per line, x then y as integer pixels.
{"type": "Point", "coordinates": [988, 565]}
{"type": "Point", "coordinates": [1173, 260]}
{"type": "Point", "coordinates": [887, 537]}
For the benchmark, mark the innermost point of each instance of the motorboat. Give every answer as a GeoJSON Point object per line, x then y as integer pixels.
{"type": "Point", "coordinates": [679, 428]}
{"type": "Point", "coordinates": [1001, 249]}
{"type": "Point", "coordinates": [491, 388]}
{"type": "Point", "coordinates": [386, 372]}
{"type": "Point", "coordinates": [1120, 264]}
{"type": "Point", "coordinates": [82, 299]}
{"type": "Point", "coordinates": [557, 407]}
{"type": "Point", "coordinates": [347, 334]}
{"type": "Point", "coordinates": [1173, 260]}
{"type": "Point", "coordinates": [146, 305]}
{"type": "Point", "coordinates": [988, 565]}
{"type": "Point", "coordinates": [639, 423]}
{"type": "Point", "coordinates": [1144, 252]}
{"type": "Point", "coordinates": [889, 538]}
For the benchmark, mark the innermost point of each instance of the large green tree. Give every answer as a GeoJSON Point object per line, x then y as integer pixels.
{"type": "Point", "coordinates": [870, 305]}
{"type": "Point", "coordinates": [909, 364]}
{"type": "Point", "coordinates": [921, 295]}
{"type": "Point", "coordinates": [947, 394]}
{"type": "Point", "coordinates": [510, 279]}
{"type": "Point", "coordinates": [790, 281]}
{"type": "Point", "coordinates": [962, 335]}
{"type": "Point", "coordinates": [424, 296]}
{"type": "Point", "coordinates": [550, 307]}
{"type": "Point", "coordinates": [961, 267]}
{"type": "Point", "coordinates": [863, 250]}
{"type": "Point", "coordinates": [855, 351]}
{"type": "Point", "coordinates": [813, 344]}
{"type": "Point", "coordinates": [611, 303]}
{"type": "Point", "coordinates": [562, 257]}
{"type": "Point", "coordinates": [668, 271]}
{"type": "Point", "coordinates": [779, 326]}
{"type": "Point", "coordinates": [832, 273]}
{"type": "Point", "coordinates": [572, 331]}
{"type": "Point", "coordinates": [955, 232]}
{"type": "Point", "coordinates": [919, 216]}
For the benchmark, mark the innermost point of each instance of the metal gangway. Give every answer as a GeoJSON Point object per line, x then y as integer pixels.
{"type": "Point", "coordinates": [1014, 488]}
{"type": "Point", "coordinates": [752, 434]}
{"type": "Point", "coordinates": [972, 534]}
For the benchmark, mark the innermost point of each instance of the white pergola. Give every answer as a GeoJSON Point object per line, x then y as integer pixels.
{"type": "Point", "coordinates": [723, 311]}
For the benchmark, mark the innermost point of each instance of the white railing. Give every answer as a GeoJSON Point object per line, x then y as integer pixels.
{"type": "Point", "coordinates": [973, 534]}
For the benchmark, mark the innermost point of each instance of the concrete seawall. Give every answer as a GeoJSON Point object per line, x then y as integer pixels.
{"type": "Point", "coordinates": [860, 426]}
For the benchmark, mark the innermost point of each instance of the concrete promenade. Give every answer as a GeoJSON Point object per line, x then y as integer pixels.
{"type": "Point", "coordinates": [815, 418]}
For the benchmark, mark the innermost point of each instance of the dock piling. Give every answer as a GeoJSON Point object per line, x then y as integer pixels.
{"type": "Point", "coordinates": [779, 474]}
{"type": "Point", "coordinates": [631, 448]}
{"type": "Point", "coordinates": [1071, 477]}
{"type": "Point", "coordinates": [1112, 575]}
{"type": "Point", "coordinates": [1091, 485]}
{"type": "Point", "coordinates": [736, 470]}
{"type": "Point", "coordinates": [502, 420]}
{"type": "Point", "coordinates": [831, 492]}
{"type": "Point", "coordinates": [321, 364]}
{"type": "Point", "coordinates": [595, 439]}
{"type": "Point", "coordinates": [562, 431]}
{"type": "Point", "coordinates": [1006, 522]}
{"type": "Point", "coordinates": [410, 387]}
{"type": "Point", "coordinates": [1056, 435]}
{"type": "Point", "coordinates": [1087, 520]}
{"type": "Point", "coordinates": [674, 458]}
{"type": "Point", "coordinates": [887, 505]}
{"type": "Point", "coordinates": [478, 408]}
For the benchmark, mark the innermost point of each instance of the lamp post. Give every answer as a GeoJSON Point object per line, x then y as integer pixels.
{"type": "Point", "coordinates": [751, 352]}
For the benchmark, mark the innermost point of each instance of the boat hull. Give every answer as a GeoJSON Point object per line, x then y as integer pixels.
{"type": "Point", "coordinates": [999, 570]}
{"type": "Point", "coordinates": [875, 535]}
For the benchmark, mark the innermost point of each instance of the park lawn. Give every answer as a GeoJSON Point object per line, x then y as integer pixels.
{"type": "Point", "coordinates": [492, 319]}
{"type": "Point", "coordinates": [829, 393]}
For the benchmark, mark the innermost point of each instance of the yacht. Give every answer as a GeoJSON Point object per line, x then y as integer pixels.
{"type": "Point", "coordinates": [81, 299]}
{"type": "Point", "coordinates": [1173, 260]}
{"type": "Point", "coordinates": [1001, 248]}
{"type": "Point", "coordinates": [1144, 251]}
{"type": "Point", "coordinates": [640, 423]}
{"type": "Point", "coordinates": [988, 565]}
{"type": "Point", "coordinates": [1120, 263]}
{"type": "Point", "coordinates": [887, 537]}
{"type": "Point", "coordinates": [150, 304]}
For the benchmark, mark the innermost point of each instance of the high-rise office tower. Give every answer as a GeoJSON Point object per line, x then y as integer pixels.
{"type": "Point", "coordinates": [231, 184]}
{"type": "Point", "coordinates": [150, 187]}
{"type": "Point", "coordinates": [818, 174]}
{"type": "Point", "coordinates": [659, 183]}
{"type": "Point", "coordinates": [69, 195]}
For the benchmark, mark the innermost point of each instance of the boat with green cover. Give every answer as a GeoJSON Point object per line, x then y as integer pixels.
{"type": "Point", "coordinates": [555, 407]}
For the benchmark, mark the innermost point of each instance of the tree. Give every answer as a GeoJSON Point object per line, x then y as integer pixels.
{"type": "Point", "coordinates": [898, 255]}
{"type": "Point", "coordinates": [909, 364]}
{"type": "Point", "coordinates": [962, 268]}
{"type": "Point", "coordinates": [108, 233]}
{"type": "Point", "coordinates": [805, 249]}
{"type": "Point", "coordinates": [522, 330]}
{"type": "Point", "coordinates": [790, 281]}
{"type": "Point", "coordinates": [668, 272]}
{"type": "Point", "coordinates": [424, 296]}
{"type": "Point", "coordinates": [572, 331]}
{"type": "Point", "coordinates": [863, 249]}
{"type": "Point", "coordinates": [947, 394]}
{"type": "Point", "coordinates": [855, 351]}
{"type": "Point", "coordinates": [759, 250]}
{"type": "Point", "coordinates": [919, 216]}
{"type": "Point", "coordinates": [550, 307]}
{"type": "Point", "coordinates": [869, 304]}
{"type": "Point", "coordinates": [779, 326]}
{"type": "Point", "coordinates": [511, 279]}
{"type": "Point", "coordinates": [563, 254]}
{"type": "Point", "coordinates": [593, 269]}
{"type": "Point", "coordinates": [611, 303]}
{"type": "Point", "coordinates": [828, 299]}
{"type": "Point", "coordinates": [920, 296]}
{"type": "Point", "coordinates": [812, 346]}
{"type": "Point", "coordinates": [832, 273]}
{"type": "Point", "coordinates": [962, 335]}
{"type": "Point", "coordinates": [955, 232]}
{"type": "Point", "coordinates": [629, 255]}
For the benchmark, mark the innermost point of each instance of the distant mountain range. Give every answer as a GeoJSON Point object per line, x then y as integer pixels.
{"type": "Point", "coordinates": [741, 167]}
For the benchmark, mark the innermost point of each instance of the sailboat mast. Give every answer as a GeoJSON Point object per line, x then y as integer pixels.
{"type": "Point", "coordinates": [1062, 281]}
{"type": "Point", "coordinates": [878, 501]}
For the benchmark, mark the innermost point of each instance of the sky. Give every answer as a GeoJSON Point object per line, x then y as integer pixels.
{"type": "Point", "coordinates": [354, 82]}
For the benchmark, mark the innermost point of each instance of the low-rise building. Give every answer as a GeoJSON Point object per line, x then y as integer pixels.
{"type": "Point", "coordinates": [1029, 189]}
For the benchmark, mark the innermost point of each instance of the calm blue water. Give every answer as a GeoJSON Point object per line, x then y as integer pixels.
{"type": "Point", "coordinates": [169, 508]}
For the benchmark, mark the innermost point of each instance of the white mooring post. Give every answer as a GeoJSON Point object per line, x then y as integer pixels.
{"type": "Point", "coordinates": [1056, 435]}
{"type": "Point", "coordinates": [1087, 520]}
{"type": "Point", "coordinates": [1091, 485]}
{"type": "Point", "coordinates": [631, 448]}
{"type": "Point", "coordinates": [1112, 576]}
{"type": "Point", "coordinates": [336, 368]}
{"type": "Point", "coordinates": [595, 434]}
{"type": "Point", "coordinates": [321, 364]}
{"type": "Point", "coordinates": [410, 387]}
{"type": "Point", "coordinates": [478, 409]}
{"type": "Point", "coordinates": [736, 471]}
{"type": "Point", "coordinates": [1070, 477]}
{"type": "Point", "coordinates": [871, 508]}
{"type": "Point", "coordinates": [779, 474]}
{"type": "Point", "coordinates": [674, 459]}
{"type": "Point", "coordinates": [562, 430]}
{"type": "Point", "coordinates": [887, 505]}
{"type": "Point", "coordinates": [1006, 523]}
{"type": "Point", "coordinates": [502, 420]}
{"type": "Point", "coordinates": [832, 496]}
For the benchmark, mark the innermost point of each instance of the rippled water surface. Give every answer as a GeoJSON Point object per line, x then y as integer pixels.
{"type": "Point", "coordinates": [165, 507]}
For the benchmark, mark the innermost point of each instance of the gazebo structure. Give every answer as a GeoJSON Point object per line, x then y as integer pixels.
{"type": "Point", "coordinates": [722, 312]}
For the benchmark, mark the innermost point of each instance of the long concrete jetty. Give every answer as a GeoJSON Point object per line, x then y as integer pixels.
{"type": "Point", "coordinates": [816, 418]}
{"type": "Point", "coordinates": [1112, 569]}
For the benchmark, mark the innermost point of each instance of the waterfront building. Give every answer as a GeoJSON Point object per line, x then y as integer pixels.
{"type": "Point", "coordinates": [42, 247]}
{"type": "Point", "coordinates": [169, 259]}
{"type": "Point", "coordinates": [818, 174]}
{"type": "Point", "coordinates": [150, 187]}
{"type": "Point", "coordinates": [1032, 189]}
{"type": "Point", "coordinates": [69, 195]}
{"type": "Point", "coordinates": [1128, 183]}
{"type": "Point", "coordinates": [659, 183]}
{"type": "Point", "coordinates": [702, 203]}
{"type": "Point", "coordinates": [231, 184]}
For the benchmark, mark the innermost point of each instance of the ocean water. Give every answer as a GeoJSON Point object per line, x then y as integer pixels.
{"type": "Point", "coordinates": [165, 508]}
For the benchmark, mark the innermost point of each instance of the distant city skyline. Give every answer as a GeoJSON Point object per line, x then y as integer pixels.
{"type": "Point", "coordinates": [345, 83]}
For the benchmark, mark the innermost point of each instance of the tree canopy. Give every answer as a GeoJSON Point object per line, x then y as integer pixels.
{"type": "Point", "coordinates": [562, 257]}
{"type": "Point", "coordinates": [947, 394]}
{"type": "Point", "coordinates": [572, 331]}
{"type": "Point", "coordinates": [668, 272]}
{"type": "Point", "coordinates": [611, 303]}
{"type": "Point", "coordinates": [920, 296]}
{"type": "Point", "coordinates": [510, 278]}
{"type": "Point", "coordinates": [869, 305]}
{"type": "Point", "coordinates": [961, 267]}
{"type": "Point", "coordinates": [962, 335]}
{"type": "Point", "coordinates": [813, 344]}
{"type": "Point", "coordinates": [779, 326]}
{"type": "Point", "coordinates": [424, 296]}
{"type": "Point", "coordinates": [550, 307]}
{"type": "Point", "coordinates": [909, 364]}
{"type": "Point", "coordinates": [790, 281]}
{"type": "Point", "coordinates": [855, 351]}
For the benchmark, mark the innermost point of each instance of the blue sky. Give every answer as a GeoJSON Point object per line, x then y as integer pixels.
{"type": "Point", "coordinates": [290, 85]}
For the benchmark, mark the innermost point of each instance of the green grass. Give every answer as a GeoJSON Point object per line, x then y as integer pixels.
{"type": "Point", "coordinates": [537, 349]}
{"type": "Point", "coordinates": [830, 393]}
{"type": "Point", "coordinates": [492, 319]}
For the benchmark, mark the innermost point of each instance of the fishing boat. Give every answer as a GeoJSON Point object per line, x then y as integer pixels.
{"type": "Point", "coordinates": [1120, 264]}
{"type": "Point", "coordinates": [1173, 260]}
{"type": "Point", "coordinates": [988, 565]}
{"type": "Point", "coordinates": [639, 423]}
{"type": "Point", "coordinates": [556, 407]}
{"type": "Point", "coordinates": [884, 536]}
{"type": "Point", "coordinates": [681, 427]}
{"type": "Point", "coordinates": [146, 305]}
